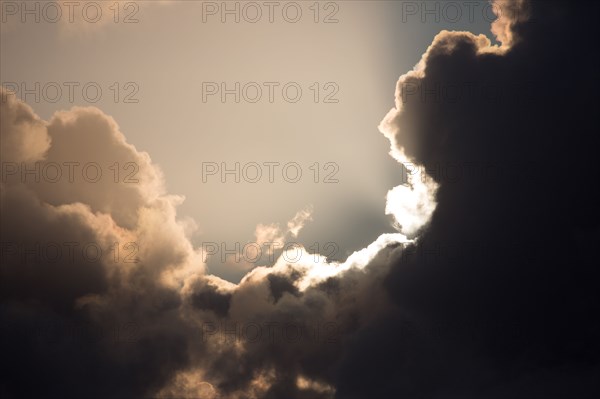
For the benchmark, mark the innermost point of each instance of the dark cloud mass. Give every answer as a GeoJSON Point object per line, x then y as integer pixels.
{"type": "Point", "coordinates": [497, 298]}
{"type": "Point", "coordinates": [504, 274]}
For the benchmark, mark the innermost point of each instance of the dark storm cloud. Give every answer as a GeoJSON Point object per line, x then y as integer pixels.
{"type": "Point", "coordinates": [503, 280]}
{"type": "Point", "coordinates": [497, 298]}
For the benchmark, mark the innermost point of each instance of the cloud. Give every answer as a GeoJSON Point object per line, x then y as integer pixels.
{"type": "Point", "coordinates": [87, 263]}
{"type": "Point", "coordinates": [473, 297]}
{"type": "Point", "coordinates": [297, 223]}
{"type": "Point", "coordinates": [273, 232]}
{"type": "Point", "coordinates": [497, 293]}
{"type": "Point", "coordinates": [509, 14]}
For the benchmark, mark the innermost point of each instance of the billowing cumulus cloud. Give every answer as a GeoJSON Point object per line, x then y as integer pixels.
{"type": "Point", "coordinates": [88, 258]}
{"type": "Point", "coordinates": [487, 290]}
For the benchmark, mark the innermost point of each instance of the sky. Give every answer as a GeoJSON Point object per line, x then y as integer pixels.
{"type": "Point", "coordinates": [346, 199]}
